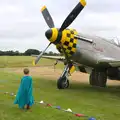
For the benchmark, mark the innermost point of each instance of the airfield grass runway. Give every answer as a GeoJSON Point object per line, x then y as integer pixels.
{"type": "Point", "coordinates": [101, 103]}
{"type": "Point", "coordinates": [54, 74]}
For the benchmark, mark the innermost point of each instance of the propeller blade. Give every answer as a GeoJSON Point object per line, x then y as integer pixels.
{"type": "Point", "coordinates": [71, 17]}
{"type": "Point", "coordinates": [38, 58]}
{"type": "Point", "coordinates": [47, 17]}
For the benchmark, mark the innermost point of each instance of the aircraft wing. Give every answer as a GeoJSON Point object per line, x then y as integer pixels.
{"type": "Point", "coordinates": [59, 58]}
{"type": "Point", "coordinates": [109, 62]}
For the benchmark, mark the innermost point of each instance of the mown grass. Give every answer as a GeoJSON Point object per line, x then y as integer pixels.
{"type": "Point", "coordinates": [102, 103]}
{"type": "Point", "coordinates": [25, 61]}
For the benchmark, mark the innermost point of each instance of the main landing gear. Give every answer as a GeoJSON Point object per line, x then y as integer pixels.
{"type": "Point", "coordinates": [63, 81]}
{"type": "Point", "coordinates": [98, 78]}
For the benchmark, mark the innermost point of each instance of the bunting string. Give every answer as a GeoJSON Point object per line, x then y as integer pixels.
{"type": "Point", "coordinates": [56, 107]}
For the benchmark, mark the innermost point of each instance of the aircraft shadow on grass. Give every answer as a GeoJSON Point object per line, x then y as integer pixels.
{"type": "Point", "coordinates": [110, 89]}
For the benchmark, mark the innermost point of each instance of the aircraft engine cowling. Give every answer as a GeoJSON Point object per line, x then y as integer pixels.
{"type": "Point", "coordinates": [113, 73]}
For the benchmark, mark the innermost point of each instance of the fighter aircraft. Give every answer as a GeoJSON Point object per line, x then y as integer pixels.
{"type": "Point", "coordinates": [91, 54]}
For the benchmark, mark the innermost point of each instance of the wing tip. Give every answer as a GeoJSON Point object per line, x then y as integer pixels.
{"type": "Point", "coordinates": [83, 2]}
{"type": "Point", "coordinates": [43, 8]}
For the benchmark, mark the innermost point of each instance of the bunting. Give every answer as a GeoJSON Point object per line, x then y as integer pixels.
{"type": "Point", "coordinates": [57, 107]}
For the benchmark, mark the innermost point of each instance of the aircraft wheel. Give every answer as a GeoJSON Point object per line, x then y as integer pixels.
{"type": "Point", "coordinates": [98, 78]}
{"type": "Point", "coordinates": [63, 83]}
{"type": "Point", "coordinates": [93, 78]}
{"type": "Point", "coordinates": [102, 79]}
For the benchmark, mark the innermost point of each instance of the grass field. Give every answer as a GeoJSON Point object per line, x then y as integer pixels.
{"type": "Point", "coordinates": [25, 61]}
{"type": "Point", "coordinates": [102, 103]}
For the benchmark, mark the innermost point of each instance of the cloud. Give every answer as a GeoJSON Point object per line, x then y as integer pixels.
{"type": "Point", "coordinates": [22, 25]}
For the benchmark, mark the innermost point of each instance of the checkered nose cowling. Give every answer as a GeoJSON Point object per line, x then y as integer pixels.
{"type": "Point", "coordinates": [68, 42]}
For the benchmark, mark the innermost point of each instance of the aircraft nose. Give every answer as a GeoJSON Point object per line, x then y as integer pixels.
{"type": "Point", "coordinates": [48, 34]}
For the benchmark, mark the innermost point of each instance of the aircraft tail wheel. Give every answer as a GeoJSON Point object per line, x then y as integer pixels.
{"type": "Point", "coordinates": [63, 83]}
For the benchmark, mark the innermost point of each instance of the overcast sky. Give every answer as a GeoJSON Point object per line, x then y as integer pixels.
{"type": "Point", "coordinates": [22, 25]}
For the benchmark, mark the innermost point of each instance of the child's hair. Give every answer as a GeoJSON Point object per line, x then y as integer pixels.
{"type": "Point", "coordinates": [26, 71]}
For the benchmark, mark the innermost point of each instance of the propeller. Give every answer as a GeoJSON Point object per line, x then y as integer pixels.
{"type": "Point", "coordinates": [40, 55]}
{"type": "Point", "coordinates": [50, 23]}
{"type": "Point", "coordinates": [69, 19]}
{"type": "Point", "coordinates": [47, 17]}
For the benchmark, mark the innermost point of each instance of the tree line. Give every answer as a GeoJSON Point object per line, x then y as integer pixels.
{"type": "Point", "coordinates": [28, 52]}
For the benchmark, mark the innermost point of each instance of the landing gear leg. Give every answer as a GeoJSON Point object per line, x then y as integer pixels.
{"type": "Point", "coordinates": [98, 78]}
{"type": "Point", "coordinates": [63, 81]}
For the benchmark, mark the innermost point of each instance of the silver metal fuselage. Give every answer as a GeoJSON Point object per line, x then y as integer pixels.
{"type": "Point", "coordinates": [89, 54]}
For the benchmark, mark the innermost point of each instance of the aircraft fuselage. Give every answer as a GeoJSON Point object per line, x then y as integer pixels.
{"type": "Point", "coordinates": [89, 53]}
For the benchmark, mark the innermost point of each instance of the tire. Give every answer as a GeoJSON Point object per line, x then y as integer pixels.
{"type": "Point", "coordinates": [102, 79]}
{"type": "Point", "coordinates": [98, 79]}
{"type": "Point", "coordinates": [93, 78]}
{"type": "Point", "coordinates": [62, 83]}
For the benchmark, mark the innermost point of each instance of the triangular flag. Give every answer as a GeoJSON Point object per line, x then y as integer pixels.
{"type": "Point", "coordinates": [79, 115]}
{"type": "Point", "coordinates": [41, 102]}
{"type": "Point", "coordinates": [91, 118]}
{"type": "Point", "coordinates": [58, 107]}
{"type": "Point", "coordinates": [49, 105]}
{"type": "Point", "coordinates": [68, 110]}
{"type": "Point", "coordinates": [12, 94]}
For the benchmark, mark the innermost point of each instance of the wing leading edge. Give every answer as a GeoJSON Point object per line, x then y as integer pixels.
{"type": "Point", "coordinates": [59, 58]}
{"type": "Point", "coordinates": [109, 62]}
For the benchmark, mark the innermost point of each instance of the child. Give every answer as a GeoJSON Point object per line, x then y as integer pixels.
{"type": "Point", "coordinates": [24, 95]}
